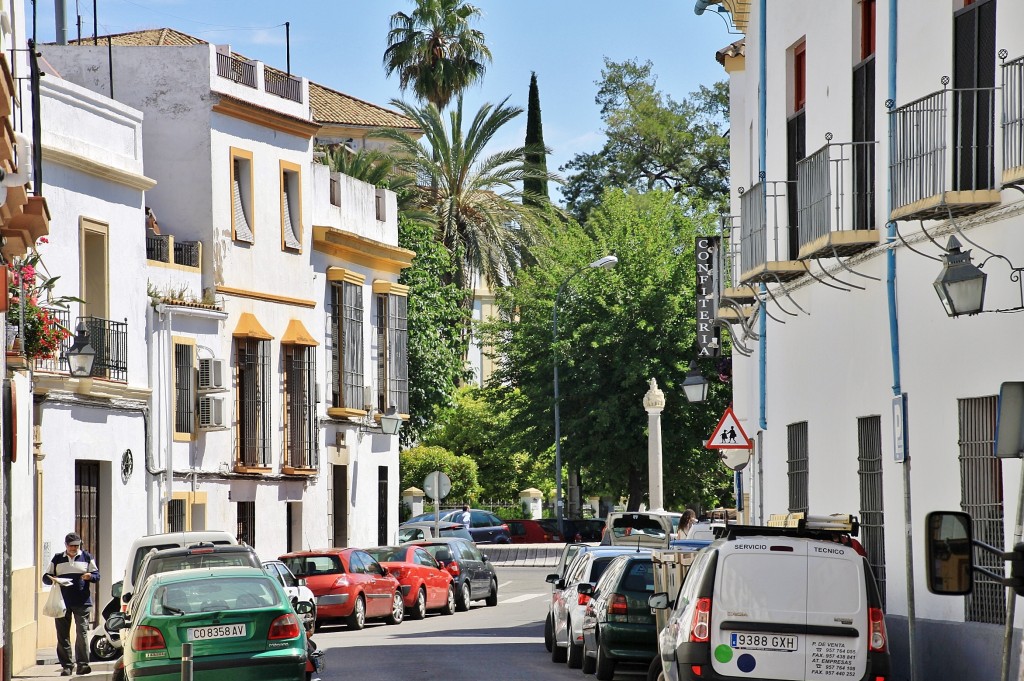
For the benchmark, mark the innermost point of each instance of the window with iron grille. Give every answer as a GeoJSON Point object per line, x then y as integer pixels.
{"type": "Point", "coordinates": [872, 518]}
{"type": "Point", "coordinates": [347, 353]}
{"type": "Point", "coordinates": [291, 210]}
{"type": "Point", "coordinates": [184, 390]}
{"type": "Point", "coordinates": [981, 495]}
{"type": "Point", "coordinates": [392, 352]}
{"type": "Point", "coordinates": [796, 457]}
{"type": "Point", "coordinates": [300, 427]}
{"type": "Point", "coordinates": [246, 522]}
{"type": "Point", "coordinates": [252, 363]}
{"type": "Point", "coordinates": [176, 515]}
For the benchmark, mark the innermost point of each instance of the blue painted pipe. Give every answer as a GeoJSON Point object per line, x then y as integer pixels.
{"type": "Point", "coordinates": [762, 133]}
{"type": "Point", "coordinates": [890, 235]}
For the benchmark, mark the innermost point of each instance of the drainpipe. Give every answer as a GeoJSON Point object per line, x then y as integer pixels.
{"type": "Point", "coordinates": [762, 164]}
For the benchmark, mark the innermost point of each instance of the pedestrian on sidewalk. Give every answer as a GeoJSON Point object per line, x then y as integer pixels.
{"type": "Point", "coordinates": [74, 571]}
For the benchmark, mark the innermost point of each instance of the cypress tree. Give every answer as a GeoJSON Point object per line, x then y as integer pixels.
{"type": "Point", "coordinates": [535, 187]}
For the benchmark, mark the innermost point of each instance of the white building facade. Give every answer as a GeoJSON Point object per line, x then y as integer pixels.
{"type": "Point", "coordinates": [843, 204]}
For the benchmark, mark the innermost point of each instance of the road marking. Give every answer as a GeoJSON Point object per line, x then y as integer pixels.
{"type": "Point", "coordinates": [504, 584]}
{"type": "Point", "coordinates": [522, 597]}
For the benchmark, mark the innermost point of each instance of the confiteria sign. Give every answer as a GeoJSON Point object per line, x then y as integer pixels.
{"type": "Point", "coordinates": [706, 254]}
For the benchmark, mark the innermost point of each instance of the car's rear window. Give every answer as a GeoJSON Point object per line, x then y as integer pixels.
{"type": "Point", "coordinates": [219, 594]}
{"type": "Point", "coordinates": [638, 576]}
{"type": "Point", "coordinates": [203, 560]}
{"type": "Point", "coordinates": [140, 555]}
{"type": "Point", "coordinates": [763, 582]}
{"type": "Point", "coordinates": [385, 554]}
{"type": "Point", "coordinates": [627, 525]}
{"type": "Point", "coordinates": [460, 532]}
{"type": "Point", "coordinates": [309, 566]}
{"type": "Point", "coordinates": [598, 568]}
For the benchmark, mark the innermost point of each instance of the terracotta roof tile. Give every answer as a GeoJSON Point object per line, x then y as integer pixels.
{"type": "Point", "coordinates": [736, 49]}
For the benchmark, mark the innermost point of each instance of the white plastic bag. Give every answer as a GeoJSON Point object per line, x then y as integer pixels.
{"type": "Point", "coordinates": [54, 606]}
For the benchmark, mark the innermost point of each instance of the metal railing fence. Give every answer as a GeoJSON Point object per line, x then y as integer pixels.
{"type": "Point", "coordinates": [828, 198]}
{"type": "Point", "coordinates": [237, 69]}
{"type": "Point", "coordinates": [1013, 113]}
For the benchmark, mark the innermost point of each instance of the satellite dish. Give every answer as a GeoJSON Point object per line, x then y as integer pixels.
{"type": "Point", "coordinates": [736, 459]}
{"type": "Point", "coordinates": [437, 485]}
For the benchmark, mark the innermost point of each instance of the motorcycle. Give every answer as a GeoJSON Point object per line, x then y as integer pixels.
{"type": "Point", "coordinates": [316, 662]}
{"type": "Point", "coordinates": [105, 644]}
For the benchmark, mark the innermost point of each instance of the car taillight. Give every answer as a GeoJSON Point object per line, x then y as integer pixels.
{"type": "Point", "coordinates": [583, 599]}
{"type": "Point", "coordinates": [340, 582]}
{"type": "Point", "coordinates": [697, 671]}
{"type": "Point", "coordinates": [285, 626]}
{"type": "Point", "coordinates": [700, 630]}
{"type": "Point", "coordinates": [148, 638]}
{"type": "Point", "coordinates": [453, 567]}
{"type": "Point", "coordinates": [617, 605]}
{"type": "Point", "coordinates": [876, 621]}
{"type": "Point", "coordinates": [504, 526]}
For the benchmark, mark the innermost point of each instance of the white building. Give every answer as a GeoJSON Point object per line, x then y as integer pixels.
{"type": "Point", "coordinates": [838, 306]}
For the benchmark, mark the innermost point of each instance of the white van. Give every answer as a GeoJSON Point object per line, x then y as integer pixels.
{"type": "Point", "coordinates": [171, 540]}
{"type": "Point", "coordinates": [775, 603]}
{"type": "Point", "coordinates": [639, 529]}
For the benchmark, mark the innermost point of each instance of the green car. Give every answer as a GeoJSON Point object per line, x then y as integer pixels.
{"type": "Point", "coordinates": [239, 621]}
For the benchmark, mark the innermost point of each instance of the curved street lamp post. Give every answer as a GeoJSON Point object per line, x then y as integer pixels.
{"type": "Point", "coordinates": [607, 262]}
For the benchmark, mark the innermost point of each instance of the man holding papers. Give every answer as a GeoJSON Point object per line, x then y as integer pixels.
{"type": "Point", "coordinates": [75, 572]}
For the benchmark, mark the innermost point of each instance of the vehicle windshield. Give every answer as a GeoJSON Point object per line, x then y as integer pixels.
{"type": "Point", "coordinates": [163, 564]}
{"type": "Point", "coordinates": [638, 524]}
{"type": "Point", "coordinates": [384, 554]}
{"type": "Point", "coordinates": [217, 594]}
{"type": "Point", "coordinates": [434, 549]}
{"type": "Point", "coordinates": [308, 566]}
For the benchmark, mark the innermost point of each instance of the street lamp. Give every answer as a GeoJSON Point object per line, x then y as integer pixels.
{"type": "Point", "coordinates": [81, 355]}
{"type": "Point", "coordinates": [605, 263]}
{"type": "Point", "coordinates": [960, 284]}
{"type": "Point", "coordinates": [695, 386]}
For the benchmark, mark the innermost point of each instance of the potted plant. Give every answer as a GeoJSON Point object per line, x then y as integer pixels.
{"type": "Point", "coordinates": [31, 292]}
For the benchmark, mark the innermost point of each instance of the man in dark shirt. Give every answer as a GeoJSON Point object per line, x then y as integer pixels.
{"type": "Point", "coordinates": [75, 572]}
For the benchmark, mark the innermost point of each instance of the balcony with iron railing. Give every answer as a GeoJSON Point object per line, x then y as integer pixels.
{"type": "Point", "coordinates": [282, 84]}
{"type": "Point", "coordinates": [109, 339]}
{"type": "Point", "coordinates": [765, 236]}
{"type": "Point", "coordinates": [1013, 120]}
{"type": "Point", "coordinates": [942, 154]}
{"type": "Point", "coordinates": [734, 298]}
{"type": "Point", "coordinates": [164, 249]}
{"type": "Point", "coordinates": [836, 200]}
{"type": "Point", "coordinates": [236, 68]}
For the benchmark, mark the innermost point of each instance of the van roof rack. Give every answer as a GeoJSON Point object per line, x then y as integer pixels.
{"type": "Point", "coordinates": [827, 527]}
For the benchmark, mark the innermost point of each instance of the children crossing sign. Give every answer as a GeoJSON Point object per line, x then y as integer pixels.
{"type": "Point", "coordinates": [729, 434]}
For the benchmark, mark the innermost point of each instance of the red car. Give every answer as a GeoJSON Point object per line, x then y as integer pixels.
{"type": "Point", "coordinates": [533, 531]}
{"type": "Point", "coordinates": [348, 584]}
{"type": "Point", "coordinates": [425, 584]}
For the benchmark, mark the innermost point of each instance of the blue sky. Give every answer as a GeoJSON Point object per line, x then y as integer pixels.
{"type": "Point", "coordinates": [340, 43]}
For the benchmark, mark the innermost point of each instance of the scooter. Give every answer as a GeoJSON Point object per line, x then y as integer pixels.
{"type": "Point", "coordinates": [104, 644]}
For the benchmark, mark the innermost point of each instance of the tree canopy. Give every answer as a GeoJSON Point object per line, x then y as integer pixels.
{"type": "Point", "coordinates": [415, 463]}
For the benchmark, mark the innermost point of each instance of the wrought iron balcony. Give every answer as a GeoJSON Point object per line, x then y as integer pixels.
{"type": "Point", "coordinates": [942, 154]}
{"type": "Point", "coordinates": [836, 200]}
{"type": "Point", "coordinates": [730, 229]}
{"type": "Point", "coordinates": [282, 84]}
{"type": "Point", "coordinates": [163, 248]}
{"type": "Point", "coordinates": [235, 68]}
{"type": "Point", "coordinates": [108, 338]}
{"type": "Point", "coordinates": [764, 236]}
{"type": "Point", "coordinates": [1013, 120]}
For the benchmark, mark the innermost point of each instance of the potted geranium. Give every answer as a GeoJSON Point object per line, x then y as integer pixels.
{"type": "Point", "coordinates": [31, 292]}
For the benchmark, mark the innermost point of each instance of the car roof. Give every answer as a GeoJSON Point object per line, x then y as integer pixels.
{"type": "Point", "coordinates": [205, 548]}
{"type": "Point", "coordinates": [443, 524]}
{"type": "Point", "coordinates": [319, 552]}
{"type": "Point", "coordinates": [440, 540]}
{"type": "Point", "coordinates": [206, 573]}
{"type": "Point", "coordinates": [601, 551]}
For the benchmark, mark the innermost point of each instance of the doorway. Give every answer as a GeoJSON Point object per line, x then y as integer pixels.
{"type": "Point", "coordinates": [339, 505]}
{"type": "Point", "coordinates": [87, 511]}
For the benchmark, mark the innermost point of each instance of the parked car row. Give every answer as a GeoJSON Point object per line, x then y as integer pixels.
{"type": "Point", "coordinates": [484, 526]}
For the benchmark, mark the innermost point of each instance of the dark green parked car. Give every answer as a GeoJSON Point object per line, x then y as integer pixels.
{"type": "Point", "coordinates": [239, 621]}
{"type": "Point", "coordinates": [618, 624]}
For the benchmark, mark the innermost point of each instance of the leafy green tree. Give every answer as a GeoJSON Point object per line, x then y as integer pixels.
{"type": "Point", "coordinates": [653, 141]}
{"type": "Point", "coordinates": [435, 319]}
{"type": "Point", "coordinates": [476, 198]}
{"type": "Point", "coordinates": [436, 51]}
{"type": "Point", "coordinates": [535, 189]}
{"type": "Point", "coordinates": [616, 329]}
{"type": "Point", "coordinates": [416, 463]}
{"type": "Point", "coordinates": [473, 427]}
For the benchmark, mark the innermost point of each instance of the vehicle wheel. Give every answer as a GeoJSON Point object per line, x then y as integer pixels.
{"type": "Point", "coordinates": [588, 663]}
{"type": "Point", "coordinates": [574, 656]}
{"type": "Point", "coordinates": [357, 620]}
{"type": "Point", "coordinates": [655, 671]}
{"type": "Point", "coordinates": [311, 623]}
{"type": "Point", "coordinates": [558, 653]}
{"type": "Point", "coordinates": [397, 609]}
{"type": "Point", "coordinates": [449, 604]}
{"type": "Point", "coordinates": [462, 604]}
{"type": "Point", "coordinates": [604, 667]}
{"type": "Point", "coordinates": [102, 649]}
{"type": "Point", "coordinates": [492, 598]}
{"type": "Point", "coordinates": [419, 610]}
{"type": "Point", "coordinates": [547, 633]}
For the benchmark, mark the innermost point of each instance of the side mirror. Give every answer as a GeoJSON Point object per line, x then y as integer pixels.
{"type": "Point", "coordinates": [949, 561]}
{"type": "Point", "coordinates": [560, 584]}
{"type": "Point", "coordinates": [383, 571]}
{"type": "Point", "coordinates": [658, 601]}
{"type": "Point", "coordinates": [116, 588]}
{"type": "Point", "coordinates": [483, 557]}
{"type": "Point", "coordinates": [126, 598]}
{"type": "Point", "coordinates": [303, 608]}
{"type": "Point", "coordinates": [552, 578]}
{"type": "Point", "coordinates": [116, 622]}
{"type": "Point", "coordinates": [585, 588]}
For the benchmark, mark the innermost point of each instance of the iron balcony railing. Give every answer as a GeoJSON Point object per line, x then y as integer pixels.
{"type": "Point", "coordinates": [282, 85]}
{"type": "Point", "coordinates": [161, 248]}
{"type": "Point", "coordinates": [763, 212]}
{"type": "Point", "coordinates": [942, 142]}
{"type": "Point", "coordinates": [1013, 117]}
{"type": "Point", "coordinates": [237, 69]}
{"type": "Point", "coordinates": [109, 339]}
{"type": "Point", "coordinates": [730, 230]}
{"type": "Point", "coordinates": [835, 189]}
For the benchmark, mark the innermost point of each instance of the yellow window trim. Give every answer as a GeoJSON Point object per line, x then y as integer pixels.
{"type": "Point", "coordinates": [268, 297]}
{"type": "Point", "coordinates": [191, 499]}
{"type": "Point", "coordinates": [86, 224]}
{"type": "Point", "coordinates": [361, 251]}
{"type": "Point", "coordinates": [296, 334]}
{"type": "Point", "coordinates": [296, 169]}
{"type": "Point", "coordinates": [249, 327]}
{"type": "Point", "coordinates": [390, 287]}
{"type": "Point", "coordinates": [178, 435]}
{"type": "Point", "coordinates": [341, 274]}
{"type": "Point", "coordinates": [246, 156]}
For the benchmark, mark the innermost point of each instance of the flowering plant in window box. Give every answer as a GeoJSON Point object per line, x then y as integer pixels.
{"type": "Point", "coordinates": [30, 291]}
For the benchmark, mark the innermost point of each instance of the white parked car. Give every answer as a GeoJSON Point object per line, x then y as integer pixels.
{"type": "Point", "coordinates": [421, 531]}
{"type": "Point", "coordinates": [296, 589]}
{"type": "Point", "coordinates": [568, 604]}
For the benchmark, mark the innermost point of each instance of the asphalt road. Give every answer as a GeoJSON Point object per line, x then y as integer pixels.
{"type": "Point", "coordinates": [505, 643]}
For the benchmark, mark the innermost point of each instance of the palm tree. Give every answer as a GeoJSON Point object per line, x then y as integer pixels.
{"type": "Point", "coordinates": [380, 169]}
{"type": "Point", "coordinates": [476, 199]}
{"type": "Point", "coordinates": [435, 51]}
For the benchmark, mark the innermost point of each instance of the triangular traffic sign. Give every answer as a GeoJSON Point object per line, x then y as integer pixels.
{"type": "Point", "coordinates": [728, 434]}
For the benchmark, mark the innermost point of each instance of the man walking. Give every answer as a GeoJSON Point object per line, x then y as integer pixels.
{"type": "Point", "coordinates": [75, 572]}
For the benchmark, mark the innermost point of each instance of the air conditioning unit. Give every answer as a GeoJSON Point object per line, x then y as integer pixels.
{"type": "Point", "coordinates": [212, 375]}
{"type": "Point", "coordinates": [212, 413]}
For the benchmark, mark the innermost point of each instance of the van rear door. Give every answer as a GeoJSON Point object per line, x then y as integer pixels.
{"type": "Point", "coordinates": [759, 610]}
{"type": "Point", "coordinates": [837, 618]}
